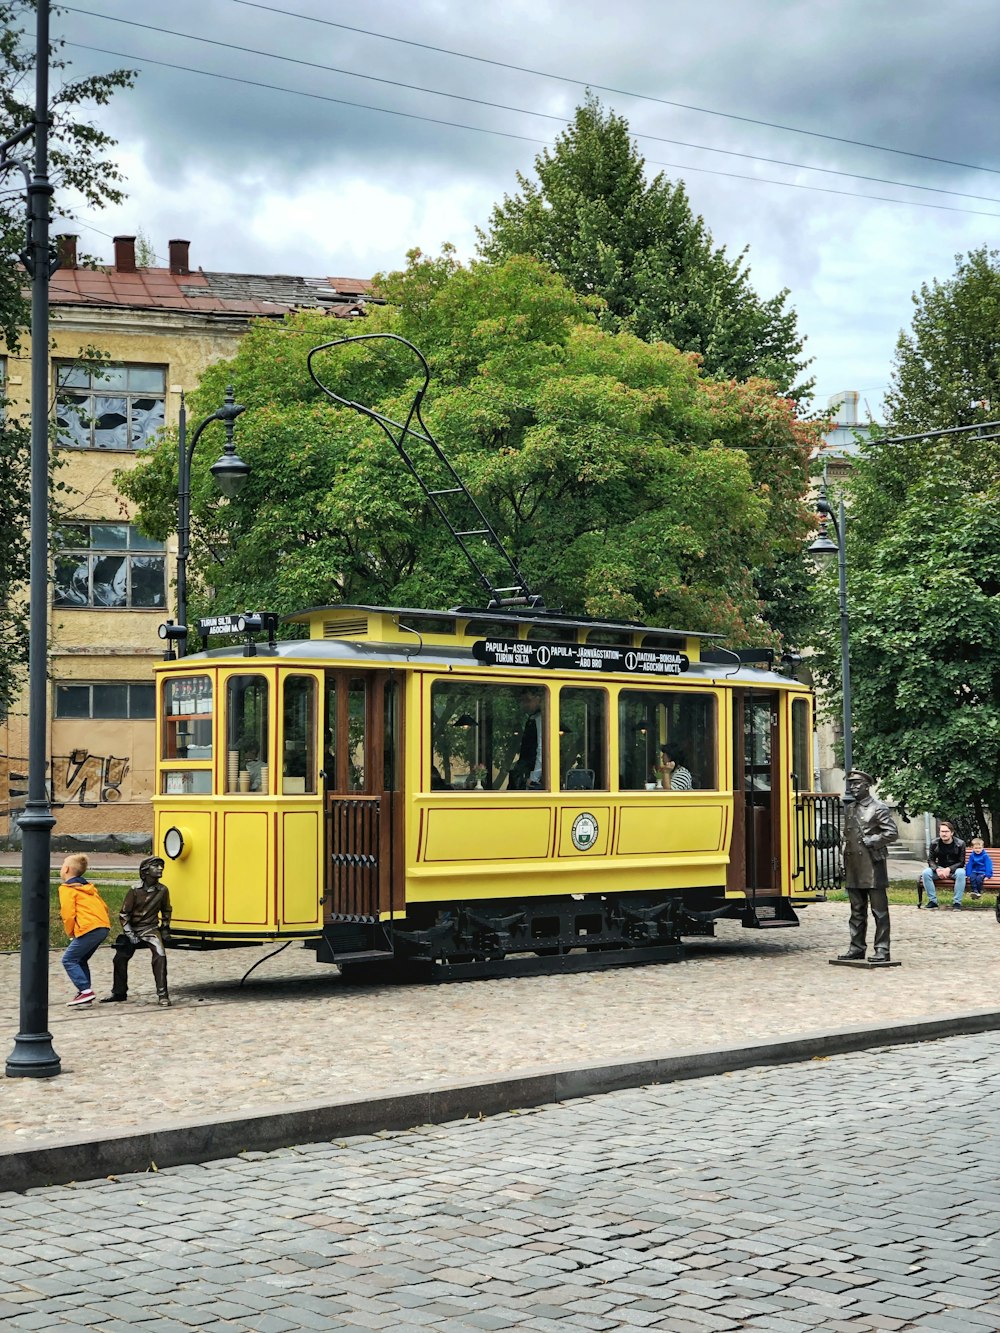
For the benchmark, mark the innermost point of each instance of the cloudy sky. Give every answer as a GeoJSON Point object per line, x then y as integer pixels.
{"type": "Point", "coordinates": [851, 144]}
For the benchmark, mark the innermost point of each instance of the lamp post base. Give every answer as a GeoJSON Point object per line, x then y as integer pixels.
{"type": "Point", "coordinates": [33, 1057]}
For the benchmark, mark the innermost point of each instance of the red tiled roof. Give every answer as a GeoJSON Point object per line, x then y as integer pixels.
{"type": "Point", "coordinates": [244, 294]}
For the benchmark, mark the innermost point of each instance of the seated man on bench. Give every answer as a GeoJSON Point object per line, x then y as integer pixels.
{"type": "Point", "coordinates": [945, 863]}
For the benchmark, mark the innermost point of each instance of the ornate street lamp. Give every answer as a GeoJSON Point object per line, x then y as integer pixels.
{"type": "Point", "coordinates": [230, 473]}
{"type": "Point", "coordinates": [824, 547]}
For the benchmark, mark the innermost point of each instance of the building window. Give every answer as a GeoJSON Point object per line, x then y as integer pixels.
{"type": "Point", "coordinates": [109, 406]}
{"type": "Point", "coordinates": [115, 700]}
{"type": "Point", "coordinates": [108, 565]}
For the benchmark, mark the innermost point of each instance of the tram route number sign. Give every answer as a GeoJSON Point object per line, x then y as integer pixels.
{"type": "Point", "coordinates": [580, 657]}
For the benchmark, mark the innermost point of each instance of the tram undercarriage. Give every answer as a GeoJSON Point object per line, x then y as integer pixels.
{"type": "Point", "coordinates": [558, 934]}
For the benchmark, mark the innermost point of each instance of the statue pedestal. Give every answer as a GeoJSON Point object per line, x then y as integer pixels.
{"type": "Point", "coordinates": [862, 962]}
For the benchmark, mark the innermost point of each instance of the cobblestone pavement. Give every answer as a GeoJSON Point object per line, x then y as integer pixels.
{"type": "Point", "coordinates": [857, 1192]}
{"type": "Point", "coordinates": [295, 1033]}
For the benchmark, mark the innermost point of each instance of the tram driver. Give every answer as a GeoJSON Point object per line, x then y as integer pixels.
{"type": "Point", "coordinates": [527, 769]}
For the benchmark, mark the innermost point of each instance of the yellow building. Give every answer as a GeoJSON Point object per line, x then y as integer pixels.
{"type": "Point", "coordinates": [111, 586]}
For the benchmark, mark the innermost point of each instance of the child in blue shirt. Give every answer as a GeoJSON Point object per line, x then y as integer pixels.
{"type": "Point", "coordinates": [978, 867]}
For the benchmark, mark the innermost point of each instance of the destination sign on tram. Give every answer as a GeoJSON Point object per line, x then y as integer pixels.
{"type": "Point", "coordinates": [580, 657]}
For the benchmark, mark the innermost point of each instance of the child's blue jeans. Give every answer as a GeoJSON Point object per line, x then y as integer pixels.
{"type": "Point", "coordinates": [76, 959]}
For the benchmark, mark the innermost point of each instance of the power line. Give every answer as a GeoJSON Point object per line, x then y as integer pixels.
{"type": "Point", "coordinates": [605, 88]}
{"type": "Point", "coordinates": [522, 138]}
{"type": "Point", "coordinates": [517, 110]}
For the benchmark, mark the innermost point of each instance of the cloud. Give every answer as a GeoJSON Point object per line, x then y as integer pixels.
{"type": "Point", "coordinates": [267, 181]}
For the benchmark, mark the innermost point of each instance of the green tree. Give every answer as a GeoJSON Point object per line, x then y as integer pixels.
{"type": "Point", "coordinates": [79, 167]}
{"type": "Point", "coordinates": [924, 549]}
{"type": "Point", "coordinates": [593, 453]}
{"type": "Point", "coordinates": [638, 246]}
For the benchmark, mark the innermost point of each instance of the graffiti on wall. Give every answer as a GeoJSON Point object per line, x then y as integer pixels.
{"type": "Point", "coordinates": [88, 779]}
{"type": "Point", "coordinates": [78, 778]}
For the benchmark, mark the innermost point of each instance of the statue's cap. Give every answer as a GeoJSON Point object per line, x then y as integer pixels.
{"type": "Point", "coordinates": [860, 773]}
{"type": "Point", "coordinates": [150, 860]}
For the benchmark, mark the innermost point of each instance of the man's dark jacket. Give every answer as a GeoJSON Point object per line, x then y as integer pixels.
{"type": "Point", "coordinates": [947, 854]}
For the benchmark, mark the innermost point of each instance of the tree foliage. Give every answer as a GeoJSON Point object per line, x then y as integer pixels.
{"type": "Point", "coordinates": [924, 545]}
{"type": "Point", "coordinates": [638, 246]}
{"type": "Point", "coordinates": [624, 483]}
{"type": "Point", "coordinates": [79, 163]}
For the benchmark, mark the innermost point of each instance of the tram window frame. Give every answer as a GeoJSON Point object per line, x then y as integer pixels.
{"type": "Point", "coordinates": [248, 731]}
{"type": "Point", "coordinates": [802, 744]}
{"type": "Point", "coordinates": [584, 751]}
{"type": "Point", "coordinates": [667, 716]}
{"type": "Point", "coordinates": [482, 724]}
{"type": "Point", "coordinates": [298, 735]}
{"type": "Point", "coordinates": [187, 711]}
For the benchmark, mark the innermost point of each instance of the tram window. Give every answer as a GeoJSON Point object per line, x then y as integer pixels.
{"type": "Point", "coordinates": [489, 736]}
{"type": "Point", "coordinates": [247, 766]}
{"type": "Point", "coordinates": [187, 717]}
{"type": "Point", "coordinates": [298, 760]}
{"type": "Point", "coordinates": [187, 782]}
{"type": "Point", "coordinates": [583, 738]}
{"type": "Point", "coordinates": [390, 737]}
{"type": "Point", "coordinates": [357, 731]}
{"type": "Point", "coordinates": [801, 766]}
{"type": "Point", "coordinates": [682, 719]}
{"type": "Point", "coordinates": [330, 731]}
{"type": "Point", "coordinates": [757, 744]}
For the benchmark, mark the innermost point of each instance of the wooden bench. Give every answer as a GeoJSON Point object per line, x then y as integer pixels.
{"type": "Point", "coordinates": [990, 885]}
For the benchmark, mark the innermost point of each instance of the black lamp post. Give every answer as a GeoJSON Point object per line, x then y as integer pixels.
{"type": "Point", "coordinates": [230, 472]}
{"type": "Point", "coordinates": [823, 546]}
{"type": "Point", "coordinates": [33, 1055]}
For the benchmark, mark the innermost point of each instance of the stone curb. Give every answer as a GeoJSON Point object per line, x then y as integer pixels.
{"type": "Point", "coordinates": [183, 1143]}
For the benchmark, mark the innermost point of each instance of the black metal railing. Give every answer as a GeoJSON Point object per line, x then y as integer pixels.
{"type": "Point", "coordinates": [819, 824]}
{"type": "Point", "coordinates": [353, 843]}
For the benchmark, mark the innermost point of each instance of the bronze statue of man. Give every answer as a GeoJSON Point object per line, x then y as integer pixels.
{"type": "Point", "coordinates": [145, 919]}
{"type": "Point", "coordinates": [869, 828]}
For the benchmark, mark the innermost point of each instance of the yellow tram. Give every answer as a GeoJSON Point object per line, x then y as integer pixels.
{"type": "Point", "coordinates": [469, 792]}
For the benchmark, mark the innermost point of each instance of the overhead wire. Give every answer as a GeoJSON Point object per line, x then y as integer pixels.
{"type": "Point", "coordinates": [505, 134]}
{"type": "Point", "coordinates": [606, 88]}
{"type": "Point", "coordinates": [503, 106]}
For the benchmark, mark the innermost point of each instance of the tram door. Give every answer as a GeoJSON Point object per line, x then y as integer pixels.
{"type": "Point", "coordinates": [755, 868]}
{"type": "Point", "coordinates": [363, 797]}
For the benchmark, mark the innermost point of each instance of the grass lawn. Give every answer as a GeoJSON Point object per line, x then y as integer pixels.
{"type": "Point", "coordinates": [903, 893]}
{"type": "Point", "coordinates": [112, 886]}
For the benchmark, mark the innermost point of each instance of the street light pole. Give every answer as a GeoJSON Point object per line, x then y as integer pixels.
{"type": "Point", "coordinates": [230, 472]}
{"type": "Point", "coordinates": [33, 1055]}
{"type": "Point", "coordinates": [824, 546]}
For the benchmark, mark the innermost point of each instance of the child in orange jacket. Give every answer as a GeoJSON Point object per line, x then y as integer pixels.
{"type": "Point", "coordinates": [85, 916]}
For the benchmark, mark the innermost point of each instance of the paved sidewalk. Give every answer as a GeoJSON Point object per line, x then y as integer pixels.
{"type": "Point", "coordinates": [296, 1034]}
{"type": "Point", "coordinates": [772, 1199]}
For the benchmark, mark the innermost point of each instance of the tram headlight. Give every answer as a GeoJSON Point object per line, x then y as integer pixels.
{"type": "Point", "coordinates": [177, 843]}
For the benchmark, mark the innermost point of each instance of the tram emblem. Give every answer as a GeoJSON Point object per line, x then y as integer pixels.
{"type": "Point", "coordinates": [584, 832]}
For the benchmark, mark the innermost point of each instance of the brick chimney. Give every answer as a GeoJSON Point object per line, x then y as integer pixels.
{"type": "Point", "coordinates": [179, 256]}
{"type": "Point", "coordinates": [66, 249]}
{"type": "Point", "coordinates": [125, 254]}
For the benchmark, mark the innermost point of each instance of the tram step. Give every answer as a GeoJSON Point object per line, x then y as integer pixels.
{"type": "Point", "coordinates": [365, 956]}
{"type": "Point", "coordinates": [769, 916]}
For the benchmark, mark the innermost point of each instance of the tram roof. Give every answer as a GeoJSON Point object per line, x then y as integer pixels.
{"type": "Point", "coordinates": [371, 653]}
{"type": "Point", "coordinates": [513, 617]}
